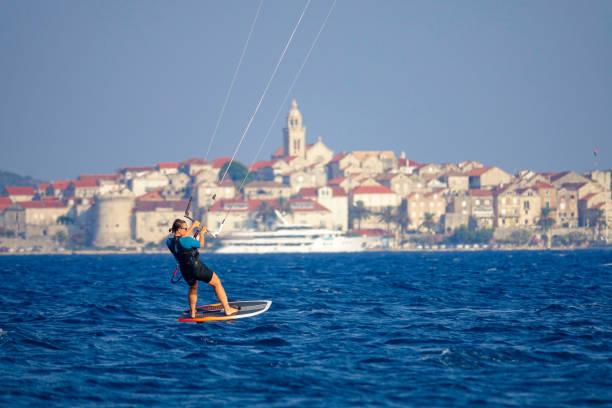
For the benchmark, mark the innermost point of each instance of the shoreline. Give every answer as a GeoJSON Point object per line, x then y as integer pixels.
{"type": "Point", "coordinates": [162, 252]}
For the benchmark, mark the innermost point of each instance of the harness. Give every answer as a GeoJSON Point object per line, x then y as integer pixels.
{"type": "Point", "coordinates": [186, 258]}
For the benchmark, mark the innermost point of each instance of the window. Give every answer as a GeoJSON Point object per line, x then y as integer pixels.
{"type": "Point", "coordinates": [463, 204]}
{"type": "Point", "coordinates": [514, 200]}
{"type": "Point", "coordinates": [477, 202]}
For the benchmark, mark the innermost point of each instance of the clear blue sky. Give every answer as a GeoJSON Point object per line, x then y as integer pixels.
{"type": "Point", "coordinates": [92, 86]}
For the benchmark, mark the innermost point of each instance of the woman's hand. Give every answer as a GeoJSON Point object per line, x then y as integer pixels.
{"type": "Point", "coordinates": [204, 230]}
{"type": "Point", "coordinates": [196, 224]}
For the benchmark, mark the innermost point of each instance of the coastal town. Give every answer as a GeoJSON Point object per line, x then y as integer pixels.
{"type": "Point", "coordinates": [399, 202]}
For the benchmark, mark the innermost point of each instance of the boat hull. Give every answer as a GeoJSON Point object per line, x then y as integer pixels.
{"type": "Point", "coordinates": [319, 245]}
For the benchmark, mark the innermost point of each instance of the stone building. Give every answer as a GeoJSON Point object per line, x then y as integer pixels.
{"type": "Point", "coordinates": [113, 213]}
{"type": "Point", "coordinates": [152, 219]}
{"type": "Point", "coordinates": [487, 178]}
{"type": "Point", "coordinates": [335, 199]}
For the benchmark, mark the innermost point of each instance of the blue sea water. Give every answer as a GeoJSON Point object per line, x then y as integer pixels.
{"type": "Point", "coordinates": [371, 329]}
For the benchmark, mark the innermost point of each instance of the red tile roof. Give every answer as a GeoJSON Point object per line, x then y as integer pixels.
{"type": "Point", "coordinates": [309, 191]}
{"type": "Point", "coordinates": [61, 185]}
{"type": "Point", "coordinates": [152, 195]}
{"type": "Point", "coordinates": [137, 169]}
{"type": "Point", "coordinates": [194, 161]}
{"type": "Point", "coordinates": [478, 171]}
{"type": "Point", "coordinates": [42, 204]}
{"type": "Point", "coordinates": [218, 163]}
{"type": "Point", "coordinates": [152, 205]}
{"type": "Point", "coordinates": [588, 196]}
{"type": "Point", "coordinates": [14, 190]}
{"type": "Point", "coordinates": [336, 181]}
{"type": "Point", "coordinates": [96, 177]}
{"type": "Point", "coordinates": [84, 183]}
{"type": "Point", "coordinates": [408, 162]}
{"type": "Point", "coordinates": [372, 190]}
{"type": "Point", "coordinates": [314, 192]}
{"type": "Point", "coordinates": [597, 206]}
{"type": "Point", "coordinates": [43, 186]}
{"type": "Point", "coordinates": [168, 165]}
{"type": "Point", "coordinates": [315, 206]}
{"type": "Point", "coordinates": [338, 157]}
{"type": "Point", "coordinates": [339, 192]}
{"type": "Point", "coordinates": [481, 193]}
{"type": "Point", "coordinates": [262, 164]}
{"type": "Point", "coordinates": [5, 202]}
{"type": "Point", "coordinates": [542, 184]}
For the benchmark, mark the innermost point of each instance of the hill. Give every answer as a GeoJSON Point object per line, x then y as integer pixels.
{"type": "Point", "coordinates": [11, 179]}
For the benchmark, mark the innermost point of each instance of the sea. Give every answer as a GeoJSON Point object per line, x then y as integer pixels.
{"type": "Point", "coordinates": [383, 329]}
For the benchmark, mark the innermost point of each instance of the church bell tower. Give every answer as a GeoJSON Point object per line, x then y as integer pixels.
{"type": "Point", "coordinates": [294, 134]}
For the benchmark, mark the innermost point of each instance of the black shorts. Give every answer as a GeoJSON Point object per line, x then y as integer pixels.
{"type": "Point", "coordinates": [196, 272]}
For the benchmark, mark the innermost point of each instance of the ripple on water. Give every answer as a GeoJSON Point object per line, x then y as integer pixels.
{"type": "Point", "coordinates": [376, 329]}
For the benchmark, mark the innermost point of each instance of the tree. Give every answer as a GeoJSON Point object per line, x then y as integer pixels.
{"type": "Point", "coordinates": [545, 222]}
{"type": "Point", "coordinates": [358, 212]}
{"type": "Point", "coordinates": [429, 222]}
{"type": "Point", "coordinates": [64, 220]}
{"type": "Point", "coordinates": [387, 216]}
{"type": "Point", "coordinates": [402, 221]}
{"type": "Point", "coordinates": [265, 213]}
{"type": "Point", "coordinates": [463, 235]}
{"type": "Point", "coordinates": [80, 238]}
{"type": "Point", "coordinates": [237, 173]}
{"type": "Point", "coordinates": [598, 222]}
{"type": "Point", "coordinates": [520, 237]}
{"type": "Point", "coordinates": [284, 206]}
{"type": "Point", "coordinates": [60, 237]}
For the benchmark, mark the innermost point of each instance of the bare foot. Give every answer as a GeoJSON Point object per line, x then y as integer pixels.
{"type": "Point", "coordinates": [193, 313]}
{"type": "Point", "coordinates": [231, 311]}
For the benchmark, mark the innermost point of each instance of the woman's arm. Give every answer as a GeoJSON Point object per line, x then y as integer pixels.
{"type": "Point", "coordinates": [202, 234]}
{"type": "Point", "coordinates": [193, 226]}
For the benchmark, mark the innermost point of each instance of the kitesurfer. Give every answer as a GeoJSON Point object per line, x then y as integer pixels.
{"type": "Point", "coordinates": [185, 250]}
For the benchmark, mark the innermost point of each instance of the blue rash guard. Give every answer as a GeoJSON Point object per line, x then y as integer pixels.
{"type": "Point", "coordinates": [186, 242]}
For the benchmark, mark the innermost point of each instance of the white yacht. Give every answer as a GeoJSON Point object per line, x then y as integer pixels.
{"type": "Point", "coordinates": [291, 238]}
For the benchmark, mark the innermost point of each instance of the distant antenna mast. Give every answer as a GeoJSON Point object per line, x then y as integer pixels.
{"type": "Point", "coordinates": [596, 159]}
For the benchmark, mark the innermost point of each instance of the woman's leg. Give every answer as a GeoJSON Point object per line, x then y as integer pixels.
{"type": "Point", "coordinates": [193, 298]}
{"type": "Point", "coordinates": [215, 282]}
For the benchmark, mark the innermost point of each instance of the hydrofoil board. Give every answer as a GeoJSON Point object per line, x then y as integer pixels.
{"type": "Point", "coordinates": [215, 312]}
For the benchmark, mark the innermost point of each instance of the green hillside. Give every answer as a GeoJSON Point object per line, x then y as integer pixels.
{"type": "Point", "coordinates": [11, 179]}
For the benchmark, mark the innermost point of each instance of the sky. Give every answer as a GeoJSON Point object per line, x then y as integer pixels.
{"type": "Point", "coordinates": [93, 86]}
